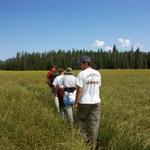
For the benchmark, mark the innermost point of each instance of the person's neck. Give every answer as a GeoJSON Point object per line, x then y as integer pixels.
{"type": "Point", "coordinates": [87, 67]}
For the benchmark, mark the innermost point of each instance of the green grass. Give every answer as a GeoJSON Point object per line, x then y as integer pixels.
{"type": "Point", "coordinates": [125, 122]}
{"type": "Point", "coordinates": [28, 119]}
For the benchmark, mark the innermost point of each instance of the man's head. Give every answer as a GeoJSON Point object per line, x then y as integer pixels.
{"type": "Point", "coordinates": [85, 62]}
{"type": "Point", "coordinates": [53, 68]}
{"type": "Point", "coordinates": [60, 71]}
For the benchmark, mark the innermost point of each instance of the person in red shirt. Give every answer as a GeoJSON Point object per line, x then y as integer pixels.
{"type": "Point", "coordinates": [52, 73]}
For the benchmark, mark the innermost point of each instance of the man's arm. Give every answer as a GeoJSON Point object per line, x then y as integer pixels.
{"type": "Point", "coordinates": [78, 96]}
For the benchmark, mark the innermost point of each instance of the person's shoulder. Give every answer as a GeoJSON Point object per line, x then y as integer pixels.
{"type": "Point", "coordinates": [80, 74]}
{"type": "Point", "coordinates": [85, 71]}
{"type": "Point", "coordinates": [57, 77]}
{"type": "Point", "coordinates": [73, 76]}
{"type": "Point", "coordinates": [96, 71]}
{"type": "Point", "coordinates": [60, 76]}
{"type": "Point", "coordinates": [49, 72]}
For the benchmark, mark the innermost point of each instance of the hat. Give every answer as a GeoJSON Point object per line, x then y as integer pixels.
{"type": "Point", "coordinates": [85, 59]}
{"type": "Point", "coordinates": [69, 70]}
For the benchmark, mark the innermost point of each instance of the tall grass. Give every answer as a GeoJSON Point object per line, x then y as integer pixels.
{"type": "Point", "coordinates": [125, 110]}
{"type": "Point", "coordinates": [28, 119]}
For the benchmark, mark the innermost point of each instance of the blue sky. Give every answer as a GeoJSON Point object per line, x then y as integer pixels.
{"type": "Point", "coordinates": [42, 25]}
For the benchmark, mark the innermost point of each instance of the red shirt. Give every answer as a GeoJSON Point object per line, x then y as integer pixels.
{"type": "Point", "coordinates": [49, 74]}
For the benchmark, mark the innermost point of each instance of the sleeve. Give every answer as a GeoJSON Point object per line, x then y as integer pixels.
{"type": "Point", "coordinates": [61, 82]}
{"type": "Point", "coordinates": [74, 81]}
{"type": "Point", "coordinates": [79, 80]}
{"type": "Point", "coordinates": [55, 82]}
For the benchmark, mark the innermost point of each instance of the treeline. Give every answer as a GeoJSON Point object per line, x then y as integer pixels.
{"type": "Point", "coordinates": [133, 59]}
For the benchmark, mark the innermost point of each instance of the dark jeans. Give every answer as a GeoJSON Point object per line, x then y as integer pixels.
{"type": "Point", "coordinates": [60, 95]}
{"type": "Point", "coordinates": [88, 121]}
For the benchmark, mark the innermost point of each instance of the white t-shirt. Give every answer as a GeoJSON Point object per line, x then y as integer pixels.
{"type": "Point", "coordinates": [69, 81]}
{"type": "Point", "coordinates": [58, 81]}
{"type": "Point", "coordinates": [90, 81]}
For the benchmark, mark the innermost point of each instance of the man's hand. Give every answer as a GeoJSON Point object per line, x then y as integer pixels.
{"type": "Point", "coordinates": [75, 106]}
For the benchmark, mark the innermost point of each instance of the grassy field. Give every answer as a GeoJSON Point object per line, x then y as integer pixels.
{"type": "Point", "coordinates": [28, 119]}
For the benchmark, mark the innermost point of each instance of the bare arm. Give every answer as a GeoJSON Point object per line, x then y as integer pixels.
{"type": "Point", "coordinates": [78, 96]}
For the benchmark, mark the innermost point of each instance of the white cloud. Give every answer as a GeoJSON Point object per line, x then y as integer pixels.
{"type": "Point", "coordinates": [120, 40]}
{"type": "Point", "coordinates": [108, 48]}
{"type": "Point", "coordinates": [124, 42]}
{"type": "Point", "coordinates": [99, 43]}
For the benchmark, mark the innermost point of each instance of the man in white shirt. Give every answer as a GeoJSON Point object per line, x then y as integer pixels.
{"type": "Point", "coordinates": [59, 91]}
{"type": "Point", "coordinates": [88, 100]}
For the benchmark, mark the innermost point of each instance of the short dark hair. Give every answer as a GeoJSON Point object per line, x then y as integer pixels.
{"type": "Point", "coordinates": [89, 63]}
{"type": "Point", "coordinates": [60, 70]}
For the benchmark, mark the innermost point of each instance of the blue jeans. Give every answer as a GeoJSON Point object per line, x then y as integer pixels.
{"type": "Point", "coordinates": [68, 113]}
